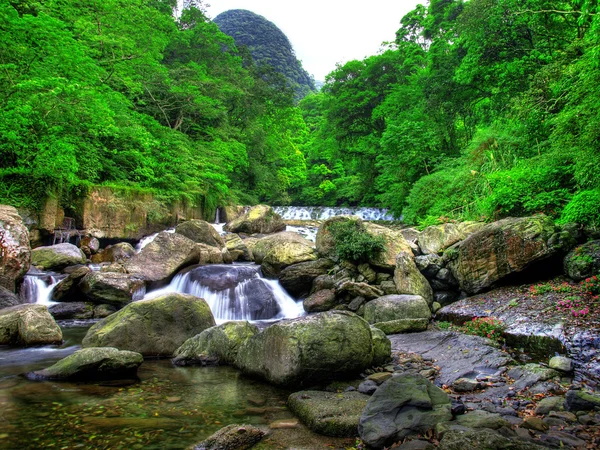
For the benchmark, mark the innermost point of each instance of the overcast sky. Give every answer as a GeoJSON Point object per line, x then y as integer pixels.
{"type": "Point", "coordinates": [325, 32]}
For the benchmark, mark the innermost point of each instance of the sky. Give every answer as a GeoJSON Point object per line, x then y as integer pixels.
{"type": "Point", "coordinates": [326, 32]}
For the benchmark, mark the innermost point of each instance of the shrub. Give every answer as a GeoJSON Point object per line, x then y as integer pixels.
{"type": "Point", "coordinates": [353, 242]}
{"type": "Point", "coordinates": [487, 327]}
{"type": "Point", "coordinates": [584, 208]}
{"type": "Point", "coordinates": [591, 285]}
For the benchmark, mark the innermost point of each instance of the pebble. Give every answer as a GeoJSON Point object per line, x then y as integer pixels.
{"type": "Point", "coordinates": [283, 424]}
{"type": "Point", "coordinates": [173, 399]}
{"type": "Point", "coordinates": [534, 423]}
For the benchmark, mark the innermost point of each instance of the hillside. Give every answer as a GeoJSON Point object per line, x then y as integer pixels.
{"type": "Point", "coordinates": [267, 44]}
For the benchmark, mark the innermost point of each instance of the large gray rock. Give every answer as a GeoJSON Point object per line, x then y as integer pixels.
{"type": "Point", "coordinates": [93, 363]}
{"type": "Point", "coordinates": [232, 437]}
{"type": "Point", "coordinates": [57, 256]}
{"type": "Point", "coordinates": [382, 347]}
{"type": "Point", "coordinates": [72, 310]}
{"type": "Point", "coordinates": [156, 327]}
{"type": "Point", "coordinates": [201, 232]}
{"type": "Point", "coordinates": [111, 288]}
{"type": "Point", "coordinates": [8, 298]}
{"type": "Point", "coordinates": [409, 280]}
{"type": "Point", "coordinates": [320, 301]}
{"type": "Point", "coordinates": [398, 313]}
{"type": "Point", "coordinates": [303, 351]}
{"type": "Point", "coordinates": [437, 238]}
{"type": "Point", "coordinates": [68, 290]}
{"type": "Point", "coordinates": [28, 325]}
{"type": "Point", "coordinates": [297, 279]}
{"type": "Point", "coordinates": [394, 244]}
{"type": "Point", "coordinates": [500, 249]}
{"type": "Point", "coordinates": [329, 413]}
{"type": "Point", "coordinates": [262, 247]}
{"type": "Point", "coordinates": [237, 248]}
{"type": "Point", "coordinates": [14, 248]}
{"type": "Point", "coordinates": [169, 253]}
{"type": "Point", "coordinates": [286, 254]}
{"type": "Point", "coordinates": [402, 406]}
{"type": "Point", "coordinates": [583, 261]}
{"type": "Point", "coordinates": [259, 219]}
{"type": "Point", "coordinates": [216, 345]}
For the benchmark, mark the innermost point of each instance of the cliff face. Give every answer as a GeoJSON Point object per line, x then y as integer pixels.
{"type": "Point", "coordinates": [267, 44]}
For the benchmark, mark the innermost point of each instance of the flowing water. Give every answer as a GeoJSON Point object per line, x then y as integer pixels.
{"type": "Point", "coordinates": [166, 408]}
{"type": "Point", "coordinates": [324, 213]}
{"type": "Point", "coordinates": [37, 287]}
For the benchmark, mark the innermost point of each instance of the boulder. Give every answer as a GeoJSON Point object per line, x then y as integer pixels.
{"type": "Point", "coordinates": [259, 219]}
{"type": "Point", "coordinates": [561, 363]}
{"type": "Point", "coordinates": [402, 325]}
{"type": "Point", "coordinates": [117, 253]}
{"type": "Point", "coordinates": [284, 255]}
{"type": "Point", "coordinates": [8, 298]}
{"type": "Point", "coordinates": [72, 310]}
{"type": "Point", "coordinates": [237, 248]}
{"type": "Point", "coordinates": [27, 325]}
{"type": "Point", "coordinates": [232, 437]}
{"type": "Point", "coordinates": [156, 327]}
{"type": "Point", "coordinates": [102, 311]}
{"type": "Point", "coordinates": [579, 400]}
{"type": "Point", "coordinates": [57, 256]}
{"type": "Point", "coordinates": [394, 244]}
{"type": "Point", "coordinates": [216, 345]}
{"type": "Point", "coordinates": [167, 254]}
{"type": "Point", "coordinates": [201, 232]}
{"type": "Point", "coordinates": [404, 405]}
{"type": "Point", "coordinates": [91, 243]}
{"type": "Point", "coordinates": [437, 238]}
{"type": "Point", "coordinates": [409, 280]}
{"type": "Point", "coordinates": [67, 290]}
{"type": "Point", "coordinates": [395, 307]}
{"type": "Point", "coordinates": [382, 347]}
{"type": "Point", "coordinates": [500, 249]}
{"type": "Point", "coordinates": [15, 253]}
{"type": "Point", "coordinates": [320, 301]}
{"type": "Point", "coordinates": [111, 288]}
{"type": "Point", "coordinates": [364, 290]}
{"type": "Point", "coordinates": [583, 262]}
{"type": "Point", "coordinates": [309, 349]}
{"type": "Point", "coordinates": [411, 235]}
{"type": "Point", "coordinates": [98, 363]}
{"type": "Point", "coordinates": [262, 247]}
{"type": "Point", "coordinates": [329, 413]}
{"type": "Point", "coordinates": [298, 279]}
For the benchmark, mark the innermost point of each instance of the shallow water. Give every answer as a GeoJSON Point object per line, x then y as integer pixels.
{"type": "Point", "coordinates": [166, 408]}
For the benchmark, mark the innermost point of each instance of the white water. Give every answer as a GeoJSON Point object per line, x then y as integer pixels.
{"type": "Point", "coordinates": [235, 303]}
{"type": "Point", "coordinates": [37, 290]}
{"type": "Point", "coordinates": [323, 213]}
{"type": "Point", "coordinates": [309, 233]}
{"type": "Point", "coordinates": [147, 239]}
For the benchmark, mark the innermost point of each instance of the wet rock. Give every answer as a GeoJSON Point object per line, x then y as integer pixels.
{"type": "Point", "coordinates": [117, 289]}
{"type": "Point", "coordinates": [402, 326]}
{"type": "Point", "coordinates": [322, 282]}
{"type": "Point", "coordinates": [201, 232]}
{"type": "Point", "coordinates": [57, 256]}
{"type": "Point", "coordinates": [500, 249]}
{"type": "Point", "coordinates": [444, 298]}
{"type": "Point", "coordinates": [68, 290]}
{"type": "Point", "coordinates": [286, 254]}
{"type": "Point", "coordinates": [561, 439]}
{"type": "Point", "coordinates": [8, 298]}
{"type": "Point", "coordinates": [531, 374]}
{"type": "Point", "coordinates": [367, 387]}
{"type": "Point", "coordinates": [30, 324]}
{"type": "Point", "coordinates": [320, 301]}
{"type": "Point", "coordinates": [409, 280]}
{"type": "Point", "coordinates": [580, 400]}
{"type": "Point", "coordinates": [481, 419]}
{"type": "Point", "coordinates": [402, 406]}
{"type": "Point", "coordinates": [483, 439]}
{"type": "Point", "coordinates": [232, 437]}
{"type": "Point", "coordinates": [398, 309]}
{"type": "Point", "coordinates": [466, 385]}
{"type": "Point", "coordinates": [156, 327]}
{"type": "Point", "coordinates": [73, 310]}
{"type": "Point", "coordinates": [263, 246]}
{"type": "Point", "coordinates": [561, 364]}
{"type": "Point", "coordinates": [429, 265]}
{"type": "Point", "coordinates": [92, 363]}
{"type": "Point", "coordinates": [327, 413]}
{"type": "Point", "coordinates": [258, 219]}
{"type": "Point", "coordinates": [216, 345]}
{"type": "Point", "coordinates": [534, 423]}
{"type": "Point", "coordinates": [364, 290]}
{"type": "Point", "coordinates": [583, 261]}
{"type": "Point", "coordinates": [306, 350]}
{"type": "Point", "coordinates": [548, 404]}
{"type": "Point", "coordinates": [382, 347]}
{"type": "Point", "coordinates": [298, 279]}
{"type": "Point", "coordinates": [437, 238]}
{"type": "Point", "coordinates": [117, 253]}
{"type": "Point", "coordinates": [14, 247]}
{"type": "Point", "coordinates": [237, 248]}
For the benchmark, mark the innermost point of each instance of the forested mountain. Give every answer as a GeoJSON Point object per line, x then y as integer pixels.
{"type": "Point", "coordinates": [267, 44]}
{"type": "Point", "coordinates": [480, 109]}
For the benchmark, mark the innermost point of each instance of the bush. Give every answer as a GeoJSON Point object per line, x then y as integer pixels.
{"type": "Point", "coordinates": [591, 285]}
{"type": "Point", "coordinates": [487, 327]}
{"type": "Point", "coordinates": [353, 242]}
{"type": "Point", "coordinates": [584, 208]}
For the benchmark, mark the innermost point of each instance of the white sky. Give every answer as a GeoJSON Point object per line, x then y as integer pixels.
{"type": "Point", "coordinates": [326, 32]}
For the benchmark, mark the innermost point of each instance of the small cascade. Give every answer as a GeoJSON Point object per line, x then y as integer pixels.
{"type": "Point", "coordinates": [324, 213]}
{"type": "Point", "coordinates": [234, 292]}
{"type": "Point", "coordinates": [37, 288]}
{"type": "Point", "coordinates": [147, 239]}
{"type": "Point", "coordinates": [217, 216]}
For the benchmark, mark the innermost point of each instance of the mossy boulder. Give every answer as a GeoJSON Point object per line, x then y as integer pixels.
{"type": "Point", "coordinates": [201, 232]}
{"type": "Point", "coordinates": [265, 245]}
{"type": "Point", "coordinates": [93, 363]}
{"type": "Point", "coordinates": [68, 290]}
{"type": "Point", "coordinates": [14, 248]}
{"type": "Point", "coordinates": [72, 310]}
{"type": "Point", "coordinates": [394, 307]}
{"type": "Point", "coordinates": [435, 239]}
{"type": "Point", "coordinates": [216, 345]}
{"type": "Point", "coordinates": [237, 248]}
{"type": "Point", "coordinates": [394, 243]}
{"type": "Point", "coordinates": [409, 280]}
{"type": "Point", "coordinates": [325, 243]}
{"type": "Point", "coordinates": [258, 219]}
{"type": "Point", "coordinates": [382, 347]}
{"type": "Point", "coordinates": [112, 288]}
{"type": "Point", "coordinates": [56, 257]}
{"type": "Point", "coordinates": [583, 261]}
{"type": "Point", "coordinates": [156, 327]}
{"type": "Point", "coordinates": [402, 325]}
{"type": "Point", "coordinates": [286, 254]}
{"type": "Point", "coordinates": [305, 350]}
{"type": "Point", "coordinates": [500, 249]}
{"type": "Point", "coordinates": [320, 301]}
{"type": "Point", "coordinates": [329, 413]}
{"type": "Point", "coordinates": [116, 253]}
{"type": "Point", "coordinates": [30, 324]}
{"type": "Point", "coordinates": [298, 279]}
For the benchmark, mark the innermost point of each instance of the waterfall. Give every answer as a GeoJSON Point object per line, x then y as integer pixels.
{"type": "Point", "coordinates": [147, 239]}
{"type": "Point", "coordinates": [217, 216]}
{"type": "Point", "coordinates": [323, 213]}
{"type": "Point", "coordinates": [234, 292]}
{"type": "Point", "coordinates": [36, 289]}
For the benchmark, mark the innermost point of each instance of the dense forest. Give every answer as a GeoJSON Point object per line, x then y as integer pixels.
{"type": "Point", "coordinates": [268, 46]}
{"type": "Point", "coordinates": [477, 110]}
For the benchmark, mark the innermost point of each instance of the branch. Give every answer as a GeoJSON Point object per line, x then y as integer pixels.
{"type": "Point", "coordinates": [159, 107]}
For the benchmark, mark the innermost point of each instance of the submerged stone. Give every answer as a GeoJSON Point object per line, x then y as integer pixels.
{"type": "Point", "coordinates": [232, 437]}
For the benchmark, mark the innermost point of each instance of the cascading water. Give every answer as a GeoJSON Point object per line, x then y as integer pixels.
{"type": "Point", "coordinates": [37, 288]}
{"type": "Point", "coordinates": [146, 240]}
{"type": "Point", "coordinates": [234, 292]}
{"type": "Point", "coordinates": [323, 213]}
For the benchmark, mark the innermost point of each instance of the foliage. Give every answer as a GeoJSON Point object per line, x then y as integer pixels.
{"type": "Point", "coordinates": [563, 287]}
{"type": "Point", "coordinates": [584, 208]}
{"type": "Point", "coordinates": [487, 327]}
{"type": "Point", "coordinates": [353, 242]}
{"type": "Point", "coordinates": [591, 285]}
